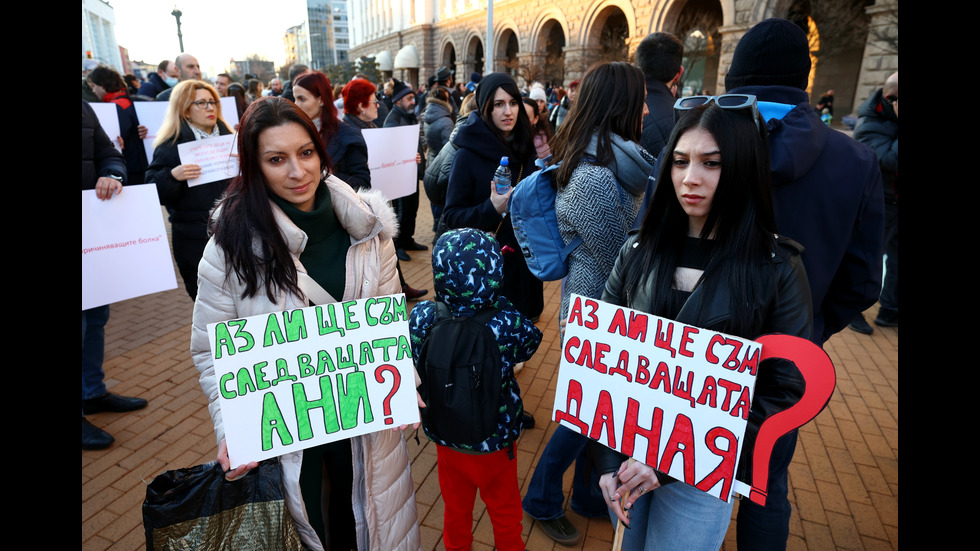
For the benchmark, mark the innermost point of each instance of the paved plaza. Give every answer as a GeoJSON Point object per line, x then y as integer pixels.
{"type": "Point", "coordinates": [843, 480]}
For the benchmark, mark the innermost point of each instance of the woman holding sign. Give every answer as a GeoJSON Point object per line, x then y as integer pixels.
{"type": "Point", "coordinates": [707, 255]}
{"type": "Point", "coordinates": [194, 113]}
{"type": "Point", "coordinates": [285, 235]}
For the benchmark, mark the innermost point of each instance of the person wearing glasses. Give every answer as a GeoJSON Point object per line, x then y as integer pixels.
{"type": "Point", "coordinates": [194, 113]}
{"type": "Point", "coordinates": [708, 255]}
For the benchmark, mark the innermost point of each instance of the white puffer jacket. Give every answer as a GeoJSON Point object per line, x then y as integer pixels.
{"type": "Point", "coordinates": [383, 493]}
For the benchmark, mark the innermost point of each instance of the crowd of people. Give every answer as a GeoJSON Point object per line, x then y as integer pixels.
{"type": "Point", "coordinates": [742, 213]}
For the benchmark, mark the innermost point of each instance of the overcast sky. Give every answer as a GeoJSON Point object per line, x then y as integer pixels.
{"type": "Point", "coordinates": [214, 31]}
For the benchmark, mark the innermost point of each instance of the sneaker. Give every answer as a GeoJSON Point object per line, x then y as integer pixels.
{"type": "Point", "coordinates": [861, 325]}
{"type": "Point", "coordinates": [561, 530]}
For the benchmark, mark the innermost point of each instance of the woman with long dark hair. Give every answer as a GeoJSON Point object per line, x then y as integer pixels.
{"type": "Point", "coordinates": [194, 113]}
{"type": "Point", "coordinates": [498, 128]}
{"type": "Point", "coordinates": [284, 235]}
{"type": "Point", "coordinates": [707, 254]}
{"type": "Point", "coordinates": [600, 185]}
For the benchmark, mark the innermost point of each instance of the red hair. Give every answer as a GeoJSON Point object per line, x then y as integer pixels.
{"type": "Point", "coordinates": [356, 93]}
{"type": "Point", "coordinates": [319, 85]}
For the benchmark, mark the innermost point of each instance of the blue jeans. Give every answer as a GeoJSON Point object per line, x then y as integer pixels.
{"type": "Point", "coordinates": [93, 351]}
{"type": "Point", "coordinates": [676, 516]}
{"type": "Point", "coordinates": [544, 499]}
{"type": "Point", "coordinates": [767, 528]}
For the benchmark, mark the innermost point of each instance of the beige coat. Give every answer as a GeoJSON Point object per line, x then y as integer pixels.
{"type": "Point", "coordinates": [383, 492]}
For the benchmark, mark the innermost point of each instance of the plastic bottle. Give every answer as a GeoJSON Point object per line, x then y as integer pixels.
{"type": "Point", "coordinates": [501, 178]}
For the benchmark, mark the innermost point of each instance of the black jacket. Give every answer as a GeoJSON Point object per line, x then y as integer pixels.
{"type": "Point", "coordinates": [877, 128]}
{"type": "Point", "coordinates": [153, 86]}
{"type": "Point", "coordinates": [659, 123]}
{"type": "Point", "coordinates": [348, 152]}
{"type": "Point", "coordinates": [779, 383]}
{"type": "Point", "coordinates": [99, 157]}
{"type": "Point", "coordinates": [189, 207]}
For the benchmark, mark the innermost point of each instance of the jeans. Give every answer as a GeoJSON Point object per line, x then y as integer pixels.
{"type": "Point", "coordinates": [767, 528]}
{"type": "Point", "coordinates": [888, 301]}
{"type": "Point", "coordinates": [93, 351]}
{"type": "Point", "coordinates": [676, 516]}
{"type": "Point", "coordinates": [544, 499]}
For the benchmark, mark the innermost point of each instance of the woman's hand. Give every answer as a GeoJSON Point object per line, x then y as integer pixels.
{"type": "Point", "coordinates": [608, 484]}
{"type": "Point", "coordinates": [225, 463]}
{"type": "Point", "coordinates": [186, 172]}
{"type": "Point", "coordinates": [633, 477]}
{"type": "Point", "coordinates": [499, 201]}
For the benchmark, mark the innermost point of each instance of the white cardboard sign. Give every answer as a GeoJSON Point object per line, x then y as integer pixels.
{"type": "Point", "coordinates": [216, 157]}
{"type": "Point", "coordinates": [125, 250]}
{"type": "Point", "coordinates": [297, 379]}
{"type": "Point", "coordinates": [109, 119]}
{"type": "Point", "coordinates": [672, 396]}
{"type": "Point", "coordinates": [392, 155]}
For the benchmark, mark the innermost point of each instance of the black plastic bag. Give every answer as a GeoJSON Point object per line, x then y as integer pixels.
{"type": "Point", "coordinates": [196, 508]}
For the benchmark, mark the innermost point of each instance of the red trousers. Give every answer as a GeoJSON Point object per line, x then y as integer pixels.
{"type": "Point", "coordinates": [495, 475]}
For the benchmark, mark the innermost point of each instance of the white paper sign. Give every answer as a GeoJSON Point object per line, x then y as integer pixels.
{"type": "Point", "coordinates": [109, 119]}
{"type": "Point", "coordinates": [215, 157]}
{"type": "Point", "coordinates": [293, 380]}
{"type": "Point", "coordinates": [391, 158]}
{"type": "Point", "coordinates": [125, 251]}
{"type": "Point", "coordinates": [670, 395]}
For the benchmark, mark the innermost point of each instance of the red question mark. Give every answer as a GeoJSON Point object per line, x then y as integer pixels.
{"type": "Point", "coordinates": [378, 376]}
{"type": "Point", "coordinates": [819, 377]}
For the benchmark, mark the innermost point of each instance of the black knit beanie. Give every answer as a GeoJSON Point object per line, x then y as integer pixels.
{"type": "Point", "coordinates": [488, 85]}
{"type": "Point", "coordinates": [399, 90]}
{"type": "Point", "coordinates": [773, 52]}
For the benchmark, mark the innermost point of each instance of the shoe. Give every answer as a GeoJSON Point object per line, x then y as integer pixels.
{"type": "Point", "coordinates": [561, 530]}
{"type": "Point", "coordinates": [412, 294]}
{"type": "Point", "coordinates": [886, 319]}
{"type": "Point", "coordinates": [112, 402]}
{"type": "Point", "coordinates": [413, 246]}
{"type": "Point", "coordinates": [94, 438]}
{"type": "Point", "coordinates": [402, 255]}
{"type": "Point", "coordinates": [861, 325]}
{"type": "Point", "coordinates": [527, 421]}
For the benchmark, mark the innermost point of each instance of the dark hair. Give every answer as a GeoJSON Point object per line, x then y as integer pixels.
{"type": "Point", "coordinates": [227, 76]}
{"type": "Point", "coordinates": [610, 100]}
{"type": "Point", "coordinates": [163, 65]}
{"type": "Point", "coordinates": [237, 91]}
{"type": "Point", "coordinates": [296, 69]}
{"type": "Point", "coordinates": [246, 222]}
{"type": "Point", "coordinates": [108, 78]}
{"type": "Point", "coordinates": [253, 87]}
{"type": "Point", "coordinates": [542, 124]}
{"type": "Point", "coordinates": [521, 145]}
{"type": "Point", "coordinates": [319, 85]}
{"type": "Point", "coordinates": [132, 81]}
{"type": "Point", "coordinates": [659, 56]}
{"type": "Point", "coordinates": [741, 220]}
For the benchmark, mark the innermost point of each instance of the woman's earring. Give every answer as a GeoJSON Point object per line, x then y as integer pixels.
{"type": "Point", "coordinates": [323, 174]}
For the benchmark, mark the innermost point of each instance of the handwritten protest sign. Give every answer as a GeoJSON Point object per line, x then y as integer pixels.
{"type": "Point", "coordinates": [670, 395]}
{"type": "Point", "coordinates": [109, 120]}
{"type": "Point", "coordinates": [125, 251]}
{"type": "Point", "coordinates": [293, 380]}
{"type": "Point", "coordinates": [151, 114]}
{"type": "Point", "coordinates": [391, 159]}
{"type": "Point", "coordinates": [213, 155]}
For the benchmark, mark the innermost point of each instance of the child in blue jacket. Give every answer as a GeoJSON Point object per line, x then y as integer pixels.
{"type": "Point", "coordinates": [468, 269]}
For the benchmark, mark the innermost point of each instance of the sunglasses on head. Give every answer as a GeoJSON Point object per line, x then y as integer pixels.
{"type": "Point", "coordinates": [725, 101]}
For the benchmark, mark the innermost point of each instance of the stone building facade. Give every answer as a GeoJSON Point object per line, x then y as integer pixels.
{"type": "Point", "coordinates": [556, 41]}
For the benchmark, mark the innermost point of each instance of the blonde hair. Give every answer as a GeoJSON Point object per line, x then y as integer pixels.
{"type": "Point", "coordinates": [179, 109]}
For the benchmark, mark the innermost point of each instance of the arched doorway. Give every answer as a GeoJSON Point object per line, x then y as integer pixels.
{"type": "Point", "coordinates": [449, 56]}
{"type": "Point", "coordinates": [553, 38]}
{"type": "Point", "coordinates": [474, 58]}
{"type": "Point", "coordinates": [507, 49]}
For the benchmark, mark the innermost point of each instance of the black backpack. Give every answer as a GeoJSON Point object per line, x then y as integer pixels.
{"type": "Point", "coordinates": [459, 365]}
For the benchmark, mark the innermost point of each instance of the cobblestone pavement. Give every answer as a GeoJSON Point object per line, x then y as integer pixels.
{"type": "Point", "coordinates": [843, 480]}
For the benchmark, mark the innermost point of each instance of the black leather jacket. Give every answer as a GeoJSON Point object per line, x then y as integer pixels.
{"type": "Point", "coordinates": [779, 383]}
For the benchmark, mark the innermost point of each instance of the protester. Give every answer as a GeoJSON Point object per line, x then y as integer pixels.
{"type": "Point", "coordinates": [437, 126]}
{"type": "Point", "coordinates": [600, 185]}
{"type": "Point", "coordinates": [468, 269]}
{"type": "Point", "coordinates": [559, 112]}
{"type": "Point", "coordinates": [109, 86]}
{"type": "Point", "coordinates": [237, 91]}
{"type": "Point", "coordinates": [254, 90]}
{"type": "Point", "coordinates": [498, 128]}
{"type": "Point", "coordinates": [132, 84]}
{"type": "Point", "coordinates": [282, 219]}
{"type": "Point", "coordinates": [402, 113]}
{"type": "Point", "coordinates": [194, 113]}
{"type": "Point", "coordinates": [104, 170]}
{"type": "Point", "coordinates": [707, 255]}
{"type": "Point", "coordinates": [659, 56]}
{"type": "Point", "coordinates": [539, 127]}
{"type": "Point", "coordinates": [166, 77]}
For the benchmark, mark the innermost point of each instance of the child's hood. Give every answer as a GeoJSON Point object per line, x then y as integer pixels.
{"type": "Point", "coordinates": [468, 269]}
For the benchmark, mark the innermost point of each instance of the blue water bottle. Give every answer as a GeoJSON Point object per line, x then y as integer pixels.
{"type": "Point", "coordinates": [501, 178]}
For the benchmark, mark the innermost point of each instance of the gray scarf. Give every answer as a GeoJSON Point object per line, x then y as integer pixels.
{"type": "Point", "coordinates": [632, 164]}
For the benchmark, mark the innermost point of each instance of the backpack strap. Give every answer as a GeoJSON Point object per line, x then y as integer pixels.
{"type": "Point", "coordinates": [484, 316]}
{"type": "Point", "coordinates": [442, 311]}
{"type": "Point", "coordinates": [572, 245]}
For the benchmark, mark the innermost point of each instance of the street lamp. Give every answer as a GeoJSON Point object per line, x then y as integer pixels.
{"type": "Point", "coordinates": [180, 38]}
